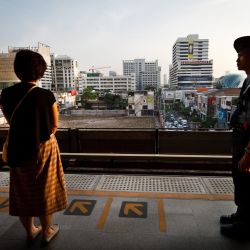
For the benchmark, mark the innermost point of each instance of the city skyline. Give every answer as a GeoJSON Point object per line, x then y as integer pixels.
{"type": "Point", "coordinates": [104, 33]}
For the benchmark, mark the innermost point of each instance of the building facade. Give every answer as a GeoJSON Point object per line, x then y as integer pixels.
{"type": "Point", "coordinates": [141, 103]}
{"type": "Point", "coordinates": [113, 83]}
{"type": "Point", "coordinates": [218, 103]}
{"type": "Point", "coordinates": [148, 74]}
{"type": "Point", "coordinates": [191, 66]}
{"type": "Point", "coordinates": [64, 73]}
{"type": "Point", "coordinates": [7, 74]}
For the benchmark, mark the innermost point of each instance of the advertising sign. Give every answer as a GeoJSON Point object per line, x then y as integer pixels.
{"type": "Point", "coordinates": [190, 49]}
{"type": "Point", "coordinates": [195, 78]}
{"type": "Point", "coordinates": [222, 115]}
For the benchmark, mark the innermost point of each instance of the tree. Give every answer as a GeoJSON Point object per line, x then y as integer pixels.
{"type": "Point", "coordinates": [115, 101]}
{"type": "Point", "coordinates": [218, 85]}
{"type": "Point", "coordinates": [88, 94]}
{"type": "Point", "coordinates": [209, 122]}
{"type": "Point", "coordinates": [108, 98]}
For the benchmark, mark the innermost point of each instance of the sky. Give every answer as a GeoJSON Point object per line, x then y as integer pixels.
{"type": "Point", "coordinates": [103, 33]}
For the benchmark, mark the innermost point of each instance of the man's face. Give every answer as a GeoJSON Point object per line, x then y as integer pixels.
{"type": "Point", "coordinates": [243, 61]}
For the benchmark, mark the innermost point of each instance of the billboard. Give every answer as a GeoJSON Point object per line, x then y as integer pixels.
{"type": "Point", "coordinates": [190, 49]}
{"type": "Point", "coordinates": [200, 62]}
{"type": "Point", "coordinates": [222, 115]}
{"type": "Point", "coordinates": [204, 78]}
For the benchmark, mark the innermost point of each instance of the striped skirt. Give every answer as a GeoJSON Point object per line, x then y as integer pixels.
{"type": "Point", "coordinates": [39, 190]}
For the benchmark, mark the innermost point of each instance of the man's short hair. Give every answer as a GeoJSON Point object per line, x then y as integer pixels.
{"type": "Point", "coordinates": [242, 43]}
{"type": "Point", "coordinates": [29, 65]}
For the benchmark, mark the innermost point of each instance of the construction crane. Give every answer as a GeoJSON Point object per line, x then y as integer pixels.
{"type": "Point", "coordinates": [93, 68]}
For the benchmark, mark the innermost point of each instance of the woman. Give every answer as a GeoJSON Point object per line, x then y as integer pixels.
{"type": "Point", "coordinates": [37, 186]}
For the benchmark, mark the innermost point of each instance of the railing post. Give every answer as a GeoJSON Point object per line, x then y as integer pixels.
{"type": "Point", "coordinates": [156, 141]}
{"type": "Point", "coordinates": [73, 138]}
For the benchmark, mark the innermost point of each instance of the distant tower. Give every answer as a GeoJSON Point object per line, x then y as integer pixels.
{"type": "Point", "coordinates": [165, 80]}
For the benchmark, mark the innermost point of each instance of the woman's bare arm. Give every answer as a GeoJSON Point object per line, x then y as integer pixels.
{"type": "Point", "coordinates": [55, 118]}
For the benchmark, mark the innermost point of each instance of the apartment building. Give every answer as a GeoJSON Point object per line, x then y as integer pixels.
{"type": "Point", "coordinates": [7, 74]}
{"type": "Point", "coordinates": [218, 103]}
{"type": "Point", "coordinates": [64, 73]}
{"type": "Point", "coordinates": [191, 66]}
{"type": "Point", "coordinates": [148, 74]}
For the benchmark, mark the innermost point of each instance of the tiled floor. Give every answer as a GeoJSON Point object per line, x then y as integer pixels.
{"type": "Point", "coordinates": [99, 219]}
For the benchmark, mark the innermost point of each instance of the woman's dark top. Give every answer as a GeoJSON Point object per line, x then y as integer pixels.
{"type": "Point", "coordinates": [32, 122]}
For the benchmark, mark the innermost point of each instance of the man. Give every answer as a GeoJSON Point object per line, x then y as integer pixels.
{"type": "Point", "coordinates": [238, 223]}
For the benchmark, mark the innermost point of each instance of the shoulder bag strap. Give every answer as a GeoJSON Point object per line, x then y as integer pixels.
{"type": "Point", "coordinates": [11, 118]}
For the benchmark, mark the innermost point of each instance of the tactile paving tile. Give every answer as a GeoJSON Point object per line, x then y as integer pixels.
{"type": "Point", "coordinates": [4, 179]}
{"type": "Point", "coordinates": [151, 184]}
{"type": "Point", "coordinates": [81, 182]}
{"type": "Point", "coordinates": [170, 184]}
{"type": "Point", "coordinates": [218, 185]}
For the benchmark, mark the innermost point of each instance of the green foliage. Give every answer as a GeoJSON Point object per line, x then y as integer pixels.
{"type": "Point", "coordinates": [181, 109]}
{"type": "Point", "coordinates": [196, 118]}
{"type": "Point", "coordinates": [168, 109]}
{"type": "Point", "coordinates": [114, 101]}
{"type": "Point", "coordinates": [88, 94]}
{"type": "Point", "coordinates": [209, 122]}
{"type": "Point", "coordinates": [218, 85]}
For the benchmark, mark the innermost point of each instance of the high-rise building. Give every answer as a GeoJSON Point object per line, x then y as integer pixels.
{"type": "Point", "coordinates": [64, 72]}
{"type": "Point", "coordinates": [190, 64]}
{"type": "Point", "coordinates": [7, 74]}
{"type": "Point", "coordinates": [147, 73]}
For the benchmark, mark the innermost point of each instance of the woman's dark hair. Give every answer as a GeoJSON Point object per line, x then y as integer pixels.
{"type": "Point", "coordinates": [29, 65]}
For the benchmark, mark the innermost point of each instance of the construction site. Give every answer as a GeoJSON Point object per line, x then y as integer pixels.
{"type": "Point", "coordinates": [106, 122]}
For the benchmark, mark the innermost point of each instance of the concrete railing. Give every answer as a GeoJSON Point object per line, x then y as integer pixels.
{"type": "Point", "coordinates": [143, 148]}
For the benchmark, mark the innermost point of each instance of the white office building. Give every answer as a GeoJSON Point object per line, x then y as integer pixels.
{"type": "Point", "coordinates": [7, 74]}
{"type": "Point", "coordinates": [191, 66]}
{"type": "Point", "coordinates": [64, 72]}
{"type": "Point", "coordinates": [146, 73]}
{"type": "Point", "coordinates": [113, 83]}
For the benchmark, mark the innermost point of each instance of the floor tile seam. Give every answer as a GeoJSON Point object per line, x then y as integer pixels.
{"type": "Point", "coordinates": [207, 189]}
{"type": "Point", "coordinates": [96, 182]}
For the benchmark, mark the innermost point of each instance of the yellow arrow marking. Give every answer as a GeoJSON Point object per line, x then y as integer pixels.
{"type": "Point", "coordinates": [80, 205]}
{"type": "Point", "coordinates": [133, 208]}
